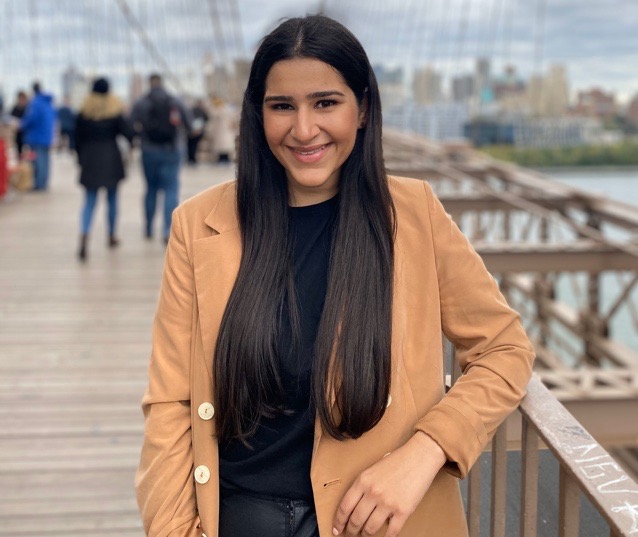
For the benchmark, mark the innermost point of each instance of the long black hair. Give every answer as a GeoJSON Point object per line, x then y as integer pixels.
{"type": "Point", "coordinates": [352, 350]}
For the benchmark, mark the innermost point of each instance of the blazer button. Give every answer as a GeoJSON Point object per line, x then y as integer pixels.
{"type": "Point", "coordinates": [206, 411]}
{"type": "Point", "coordinates": [389, 401]}
{"type": "Point", "coordinates": [202, 474]}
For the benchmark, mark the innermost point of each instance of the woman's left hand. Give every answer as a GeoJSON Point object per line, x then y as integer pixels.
{"type": "Point", "coordinates": [390, 489]}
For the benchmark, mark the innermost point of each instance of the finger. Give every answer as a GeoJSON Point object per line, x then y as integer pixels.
{"type": "Point", "coordinates": [347, 505]}
{"type": "Point", "coordinates": [375, 521]}
{"type": "Point", "coordinates": [360, 515]}
{"type": "Point", "coordinates": [395, 526]}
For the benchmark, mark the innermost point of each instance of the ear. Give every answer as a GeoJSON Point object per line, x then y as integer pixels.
{"type": "Point", "coordinates": [363, 111]}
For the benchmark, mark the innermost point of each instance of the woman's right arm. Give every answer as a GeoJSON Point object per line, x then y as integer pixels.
{"type": "Point", "coordinates": [164, 480]}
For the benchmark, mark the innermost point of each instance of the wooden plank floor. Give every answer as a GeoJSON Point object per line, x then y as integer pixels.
{"type": "Point", "coordinates": [74, 346]}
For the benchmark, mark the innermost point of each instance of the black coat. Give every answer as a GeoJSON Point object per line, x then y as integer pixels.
{"type": "Point", "coordinates": [98, 153]}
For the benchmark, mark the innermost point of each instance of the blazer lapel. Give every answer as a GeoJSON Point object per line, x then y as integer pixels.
{"type": "Point", "coordinates": [216, 260]}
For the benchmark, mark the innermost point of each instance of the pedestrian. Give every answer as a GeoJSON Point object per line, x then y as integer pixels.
{"type": "Point", "coordinates": [99, 123]}
{"type": "Point", "coordinates": [222, 131]}
{"type": "Point", "coordinates": [66, 120]}
{"type": "Point", "coordinates": [200, 118]}
{"type": "Point", "coordinates": [162, 121]}
{"type": "Point", "coordinates": [17, 112]}
{"type": "Point", "coordinates": [38, 125]}
{"type": "Point", "coordinates": [296, 382]}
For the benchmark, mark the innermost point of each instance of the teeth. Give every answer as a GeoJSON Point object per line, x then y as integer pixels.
{"type": "Point", "coordinates": [311, 152]}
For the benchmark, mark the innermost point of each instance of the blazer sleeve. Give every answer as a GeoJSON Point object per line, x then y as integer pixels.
{"type": "Point", "coordinates": [164, 480]}
{"type": "Point", "coordinates": [493, 350]}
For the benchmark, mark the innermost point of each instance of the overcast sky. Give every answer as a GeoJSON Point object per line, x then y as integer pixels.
{"type": "Point", "coordinates": [597, 40]}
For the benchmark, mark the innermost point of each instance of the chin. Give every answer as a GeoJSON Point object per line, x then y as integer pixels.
{"type": "Point", "coordinates": [311, 180]}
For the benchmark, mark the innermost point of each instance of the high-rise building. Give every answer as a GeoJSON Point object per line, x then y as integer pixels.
{"type": "Point", "coordinates": [427, 86]}
{"type": "Point", "coordinates": [557, 94]}
{"type": "Point", "coordinates": [240, 80]}
{"type": "Point", "coordinates": [391, 85]}
{"type": "Point", "coordinates": [463, 88]}
{"type": "Point", "coordinates": [549, 95]}
{"type": "Point", "coordinates": [483, 79]}
{"type": "Point", "coordinates": [596, 103]}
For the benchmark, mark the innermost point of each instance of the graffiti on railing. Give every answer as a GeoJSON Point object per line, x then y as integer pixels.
{"type": "Point", "coordinates": [596, 464]}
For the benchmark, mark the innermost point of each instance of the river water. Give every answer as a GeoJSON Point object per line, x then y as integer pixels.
{"type": "Point", "coordinates": [619, 184]}
{"type": "Point", "coordinates": [615, 183]}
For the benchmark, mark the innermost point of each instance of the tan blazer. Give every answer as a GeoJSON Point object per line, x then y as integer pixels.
{"type": "Point", "coordinates": [440, 285]}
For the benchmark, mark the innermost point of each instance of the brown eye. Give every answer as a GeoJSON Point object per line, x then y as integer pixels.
{"type": "Point", "coordinates": [326, 103]}
{"type": "Point", "coordinates": [281, 106]}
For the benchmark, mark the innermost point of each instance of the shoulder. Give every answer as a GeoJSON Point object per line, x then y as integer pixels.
{"type": "Point", "coordinates": [209, 198]}
{"type": "Point", "coordinates": [213, 205]}
{"type": "Point", "coordinates": [410, 194]}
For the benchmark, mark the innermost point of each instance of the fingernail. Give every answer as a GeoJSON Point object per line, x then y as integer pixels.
{"type": "Point", "coordinates": [335, 532]}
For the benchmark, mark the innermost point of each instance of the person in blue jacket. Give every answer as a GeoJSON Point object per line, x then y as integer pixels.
{"type": "Point", "coordinates": [38, 124]}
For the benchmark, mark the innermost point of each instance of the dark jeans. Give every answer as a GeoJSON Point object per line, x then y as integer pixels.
{"type": "Point", "coordinates": [41, 167]}
{"type": "Point", "coordinates": [19, 143]}
{"type": "Point", "coordinates": [251, 515]}
{"type": "Point", "coordinates": [89, 207]}
{"type": "Point", "coordinates": [161, 170]}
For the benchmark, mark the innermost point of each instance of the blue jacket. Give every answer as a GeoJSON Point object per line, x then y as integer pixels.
{"type": "Point", "coordinates": [39, 121]}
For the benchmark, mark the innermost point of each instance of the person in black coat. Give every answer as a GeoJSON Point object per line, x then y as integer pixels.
{"type": "Point", "coordinates": [18, 112]}
{"type": "Point", "coordinates": [99, 123]}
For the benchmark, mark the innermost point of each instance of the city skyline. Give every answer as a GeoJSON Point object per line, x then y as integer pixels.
{"type": "Point", "coordinates": [595, 40]}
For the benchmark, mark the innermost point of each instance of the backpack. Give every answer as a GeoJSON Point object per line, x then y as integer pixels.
{"type": "Point", "coordinates": [163, 120]}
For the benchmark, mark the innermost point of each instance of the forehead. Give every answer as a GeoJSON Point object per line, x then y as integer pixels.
{"type": "Point", "coordinates": [302, 76]}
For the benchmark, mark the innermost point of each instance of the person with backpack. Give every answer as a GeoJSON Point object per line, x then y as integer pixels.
{"type": "Point", "coordinates": [160, 119]}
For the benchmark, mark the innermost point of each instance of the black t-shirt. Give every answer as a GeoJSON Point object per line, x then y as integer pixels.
{"type": "Point", "coordinates": [279, 462]}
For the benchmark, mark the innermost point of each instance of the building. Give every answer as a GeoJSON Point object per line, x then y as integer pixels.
{"type": "Point", "coordinates": [548, 95]}
{"type": "Point", "coordinates": [632, 111]}
{"type": "Point", "coordinates": [439, 121]}
{"type": "Point", "coordinates": [463, 88]}
{"type": "Point", "coordinates": [427, 86]}
{"type": "Point", "coordinates": [240, 80]}
{"type": "Point", "coordinates": [483, 79]}
{"type": "Point", "coordinates": [596, 103]}
{"type": "Point", "coordinates": [391, 86]}
{"type": "Point", "coordinates": [559, 132]}
{"type": "Point", "coordinates": [508, 85]}
{"type": "Point", "coordinates": [488, 131]}
{"type": "Point", "coordinates": [226, 82]}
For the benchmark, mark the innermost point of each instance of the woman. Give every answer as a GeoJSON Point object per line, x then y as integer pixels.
{"type": "Point", "coordinates": [99, 123]}
{"type": "Point", "coordinates": [296, 377]}
{"type": "Point", "coordinates": [222, 130]}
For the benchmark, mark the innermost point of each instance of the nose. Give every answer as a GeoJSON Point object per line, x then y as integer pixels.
{"type": "Point", "coordinates": [304, 127]}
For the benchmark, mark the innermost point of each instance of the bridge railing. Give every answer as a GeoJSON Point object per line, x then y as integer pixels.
{"type": "Point", "coordinates": [585, 467]}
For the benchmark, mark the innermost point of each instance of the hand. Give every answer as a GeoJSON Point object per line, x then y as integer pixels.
{"type": "Point", "coordinates": [390, 489]}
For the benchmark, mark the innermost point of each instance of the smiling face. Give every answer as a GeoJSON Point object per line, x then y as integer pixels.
{"type": "Point", "coordinates": [311, 118]}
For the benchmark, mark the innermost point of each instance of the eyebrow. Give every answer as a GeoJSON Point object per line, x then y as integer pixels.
{"type": "Point", "coordinates": [315, 95]}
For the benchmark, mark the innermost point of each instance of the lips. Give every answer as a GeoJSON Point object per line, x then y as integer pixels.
{"type": "Point", "coordinates": [309, 155]}
{"type": "Point", "coordinates": [309, 151]}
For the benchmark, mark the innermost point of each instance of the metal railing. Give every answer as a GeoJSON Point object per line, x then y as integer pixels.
{"type": "Point", "coordinates": [585, 467]}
